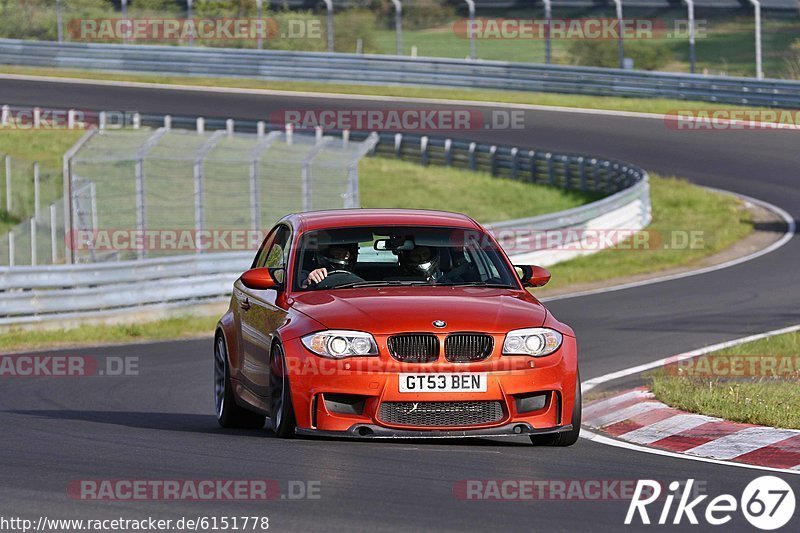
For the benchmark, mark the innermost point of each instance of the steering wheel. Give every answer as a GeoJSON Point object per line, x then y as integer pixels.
{"type": "Point", "coordinates": [327, 283]}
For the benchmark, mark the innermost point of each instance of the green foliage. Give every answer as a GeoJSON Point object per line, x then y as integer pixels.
{"type": "Point", "coordinates": [793, 63]}
{"type": "Point", "coordinates": [646, 55]}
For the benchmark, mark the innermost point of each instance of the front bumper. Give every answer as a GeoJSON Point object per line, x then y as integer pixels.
{"type": "Point", "coordinates": [376, 380]}
{"type": "Point", "coordinates": [370, 431]}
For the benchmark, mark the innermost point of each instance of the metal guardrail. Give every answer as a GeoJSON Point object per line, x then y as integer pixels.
{"type": "Point", "coordinates": [39, 294]}
{"type": "Point", "coordinates": [395, 70]}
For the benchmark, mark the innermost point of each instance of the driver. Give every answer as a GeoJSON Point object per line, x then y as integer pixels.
{"type": "Point", "coordinates": [329, 259]}
{"type": "Point", "coordinates": [421, 261]}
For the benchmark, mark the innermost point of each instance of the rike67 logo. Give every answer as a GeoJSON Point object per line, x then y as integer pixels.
{"type": "Point", "coordinates": [767, 502]}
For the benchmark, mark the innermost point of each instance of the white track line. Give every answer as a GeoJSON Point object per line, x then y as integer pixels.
{"type": "Point", "coordinates": [787, 236]}
{"type": "Point", "coordinates": [590, 384]}
{"type": "Point", "coordinates": [666, 428]}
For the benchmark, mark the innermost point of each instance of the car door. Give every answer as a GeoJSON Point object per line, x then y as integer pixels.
{"type": "Point", "coordinates": [260, 314]}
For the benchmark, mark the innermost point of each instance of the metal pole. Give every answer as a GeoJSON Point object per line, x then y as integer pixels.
{"type": "Point", "coordinates": [140, 203]}
{"type": "Point", "coordinates": [125, 17]}
{"type": "Point", "coordinates": [548, 45]}
{"type": "Point", "coordinates": [329, 6]}
{"type": "Point", "coordinates": [36, 197]}
{"type": "Point", "coordinates": [759, 65]}
{"type": "Point", "coordinates": [260, 40]}
{"type": "Point", "coordinates": [8, 184]}
{"type": "Point", "coordinates": [189, 4]}
{"type": "Point", "coordinates": [11, 248]}
{"type": "Point", "coordinates": [471, 34]}
{"type": "Point", "coordinates": [398, 25]}
{"type": "Point", "coordinates": [59, 22]}
{"type": "Point", "coordinates": [53, 235]}
{"type": "Point", "coordinates": [33, 242]}
{"type": "Point", "coordinates": [621, 44]}
{"type": "Point", "coordinates": [692, 54]}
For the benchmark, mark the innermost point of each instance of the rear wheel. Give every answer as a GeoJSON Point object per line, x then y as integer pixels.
{"type": "Point", "coordinates": [565, 438]}
{"type": "Point", "coordinates": [229, 414]}
{"type": "Point", "coordinates": [280, 395]}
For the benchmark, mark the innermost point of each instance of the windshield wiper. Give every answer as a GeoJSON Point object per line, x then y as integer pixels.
{"type": "Point", "coordinates": [394, 283]}
{"type": "Point", "coordinates": [475, 284]}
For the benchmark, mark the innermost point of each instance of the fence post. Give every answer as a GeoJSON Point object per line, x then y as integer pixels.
{"type": "Point", "coordinates": [137, 120]}
{"type": "Point", "coordinates": [582, 172]}
{"type": "Point", "coordinates": [229, 127]}
{"type": "Point", "coordinates": [551, 174]}
{"type": "Point", "coordinates": [140, 205]}
{"type": "Point", "coordinates": [318, 134]}
{"type": "Point", "coordinates": [37, 117]}
{"type": "Point", "coordinates": [4, 115]}
{"type": "Point", "coordinates": [260, 129]}
{"type": "Point", "coordinates": [53, 235]}
{"type": "Point", "coordinates": [255, 200]}
{"type": "Point", "coordinates": [8, 184]}
{"type": "Point", "coordinates": [289, 132]}
{"type": "Point", "coordinates": [201, 125]}
{"type": "Point", "coordinates": [345, 139]}
{"type": "Point", "coordinates": [565, 160]}
{"type": "Point", "coordinates": [514, 152]}
{"type": "Point", "coordinates": [33, 242]}
{"type": "Point", "coordinates": [492, 160]}
{"type": "Point", "coordinates": [398, 143]}
{"type": "Point", "coordinates": [11, 248]}
{"type": "Point", "coordinates": [101, 120]}
{"type": "Point", "coordinates": [168, 122]}
{"type": "Point", "coordinates": [532, 156]}
{"type": "Point", "coordinates": [472, 160]}
{"type": "Point", "coordinates": [423, 150]}
{"type": "Point", "coordinates": [448, 152]}
{"type": "Point", "coordinates": [198, 199]}
{"type": "Point", "coordinates": [36, 197]}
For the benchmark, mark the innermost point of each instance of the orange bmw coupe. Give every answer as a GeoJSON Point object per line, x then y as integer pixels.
{"type": "Point", "coordinates": [393, 323]}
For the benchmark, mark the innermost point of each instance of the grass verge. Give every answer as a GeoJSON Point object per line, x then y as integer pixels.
{"type": "Point", "coordinates": [165, 329]}
{"type": "Point", "coordinates": [611, 103]}
{"type": "Point", "coordinates": [769, 399]}
{"type": "Point", "coordinates": [678, 207]}
{"type": "Point", "coordinates": [388, 182]}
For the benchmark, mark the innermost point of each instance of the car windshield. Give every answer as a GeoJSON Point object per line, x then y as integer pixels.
{"type": "Point", "coordinates": [399, 256]}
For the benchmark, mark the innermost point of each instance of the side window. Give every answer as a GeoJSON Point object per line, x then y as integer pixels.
{"type": "Point", "coordinates": [261, 255]}
{"type": "Point", "coordinates": [277, 253]}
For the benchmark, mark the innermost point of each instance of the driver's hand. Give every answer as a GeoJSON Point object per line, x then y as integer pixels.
{"type": "Point", "coordinates": [317, 275]}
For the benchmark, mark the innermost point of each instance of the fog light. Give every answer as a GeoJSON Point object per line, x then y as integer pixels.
{"type": "Point", "coordinates": [534, 401]}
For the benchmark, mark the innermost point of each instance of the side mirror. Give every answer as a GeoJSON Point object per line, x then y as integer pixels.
{"type": "Point", "coordinates": [532, 275]}
{"type": "Point", "coordinates": [259, 279]}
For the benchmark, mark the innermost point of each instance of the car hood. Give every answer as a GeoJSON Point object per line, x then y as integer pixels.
{"type": "Point", "coordinates": [396, 309]}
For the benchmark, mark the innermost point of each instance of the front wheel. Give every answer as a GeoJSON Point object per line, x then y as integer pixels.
{"type": "Point", "coordinates": [229, 414]}
{"type": "Point", "coordinates": [566, 438]}
{"type": "Point", "coordinates": [280, 395]}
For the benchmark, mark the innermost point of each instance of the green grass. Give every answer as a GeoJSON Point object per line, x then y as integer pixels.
{"type": "Point", "coordinates": [392, 183]}
{"type": "Point", "coordinates": [26, 147]}
{"type": "Point", "coordinates": [678, 206]}
{"type": "Point", "coordinates": [168, 328]}
{"type": "Point", "coordinates": [612, 103]}
{"type": "Point", "coordinates": [765, 400]}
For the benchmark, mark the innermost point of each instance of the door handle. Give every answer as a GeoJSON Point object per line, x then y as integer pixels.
{"type": "Point", "coordinates": [245, 304]}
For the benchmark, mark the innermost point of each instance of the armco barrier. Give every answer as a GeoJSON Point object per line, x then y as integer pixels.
{"type": "Point", "coordinates": [50, 293]}
{"type": "Point", "coordinates": [395, 70]}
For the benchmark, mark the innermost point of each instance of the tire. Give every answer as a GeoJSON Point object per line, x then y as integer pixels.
{"type": "Point", "coordinates": [280, 395]}
{"type": "Point", "coordinates": [229, 414]}
{"type": "Point", "coordinates": [565, 438]}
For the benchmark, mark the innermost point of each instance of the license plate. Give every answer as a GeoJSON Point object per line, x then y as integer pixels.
{"type": "Point", "coordinates": [461, 382]}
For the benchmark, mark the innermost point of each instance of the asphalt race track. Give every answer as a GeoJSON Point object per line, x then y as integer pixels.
{"type": "Point", "coordinates": [160, 424]}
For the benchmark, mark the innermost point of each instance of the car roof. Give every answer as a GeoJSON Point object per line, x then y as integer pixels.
{"type": "Point", "coordinates": [342, 218]}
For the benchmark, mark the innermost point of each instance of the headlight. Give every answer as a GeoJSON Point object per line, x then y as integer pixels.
{"type": "Point", "coordinates": [532, 341]}
{"type": "Point", "coordinates": [338, 344]}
